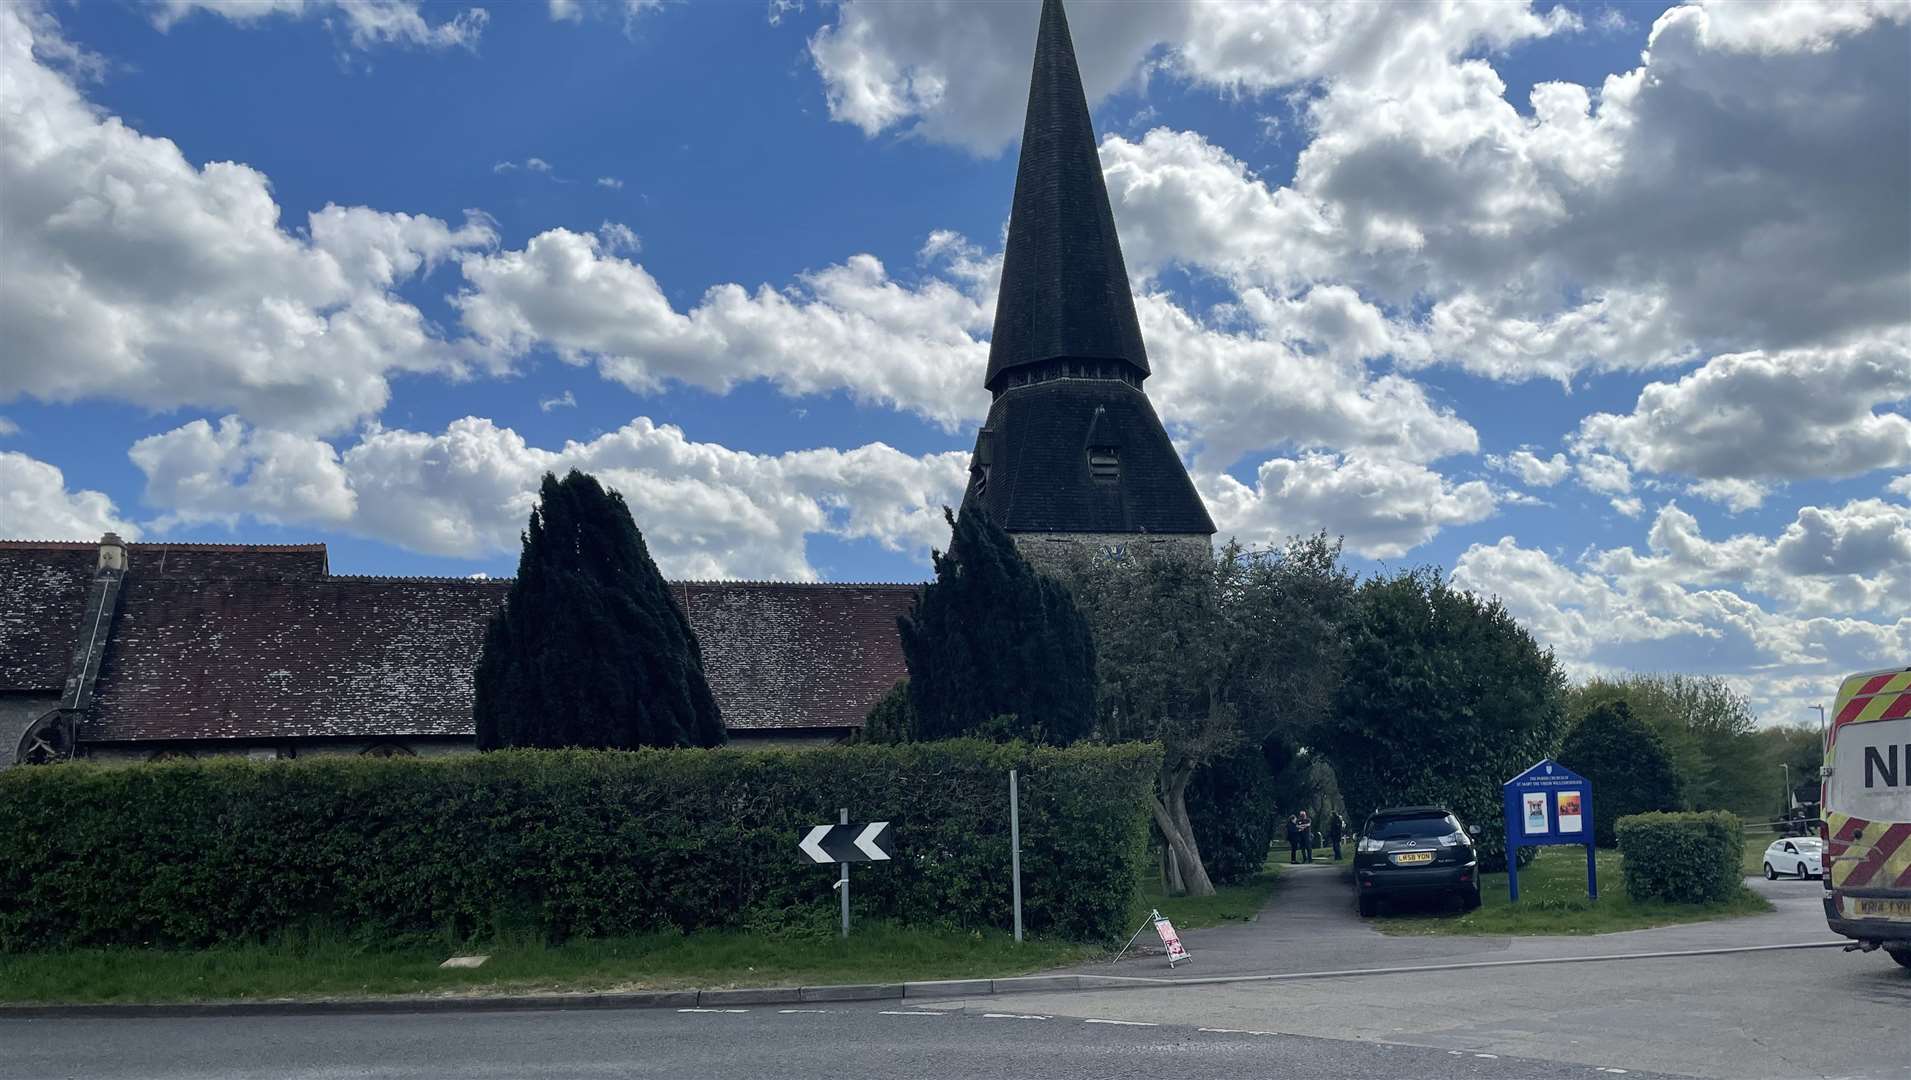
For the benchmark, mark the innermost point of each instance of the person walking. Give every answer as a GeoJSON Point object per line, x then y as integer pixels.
{"type": "Point", "coordinates": [1336, 830]}
{"type": "Point", "coordinates": [1293, 839]}
{"type": "Point", "coordinates": [1306, 825]}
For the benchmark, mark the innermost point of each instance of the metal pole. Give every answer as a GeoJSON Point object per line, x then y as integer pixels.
{"type": "Point", "coordinates": [1821, 726]}
{"type": "Point", "coordinates": [1513, 874]}
{"type": "Point", "coordinates": [1015, 851]}
{"type": "Point", "coordinates": [842, 817]}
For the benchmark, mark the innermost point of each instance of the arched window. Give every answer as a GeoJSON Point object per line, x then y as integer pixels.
{"type": "Point", "coordinates": [171, 753]}
{"type": "Point", "coordinates": [386, 750]}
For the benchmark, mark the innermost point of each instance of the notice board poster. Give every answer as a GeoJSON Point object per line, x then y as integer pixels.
{"type": "Point", "coordinates": [1569, 812]}
{"type": "Point", "coordinates": [1535, 813]}
{"type": "Point", "coordinates": [1170, 940]}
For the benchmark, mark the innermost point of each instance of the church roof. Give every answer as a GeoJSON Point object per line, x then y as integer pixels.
{"type": "Point", "coordinates": [1039, 440]}
{"type": "Point", "coordinates": [258, 642]}
{"type": "Point", "coordinates": [1064, 287]}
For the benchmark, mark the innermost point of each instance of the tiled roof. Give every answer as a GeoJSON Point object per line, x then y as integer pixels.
{"type": "Point", "coordinates": [1064, 290]}
{"type": "Point", "coordinates": [290, 657]}
{"type": "Point", "coordinates": [788, 655]}
{"type": "Point", "coordinates": [42, 595]}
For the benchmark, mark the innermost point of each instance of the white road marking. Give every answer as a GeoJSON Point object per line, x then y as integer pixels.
{"type": "Point", "coordinates": [1604, 1069]}
{"type": "Point", "coordinates": [1223, 1031]}
{"type": "Point", "coordinates": [905, 1012]}
{"type": "Point", "coordinates": [787, 1012]}
{"type": "Point", "coordinates": [1489, 1057]}
{"type": "Point", "coordinates": [1122, 1023]}
{"type": "Point", "coordinates": [1012, 1016]}
{"type": "Point", "coordinates": [714, 1010]}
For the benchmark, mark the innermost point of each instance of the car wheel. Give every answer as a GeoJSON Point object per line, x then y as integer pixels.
{"type": "Point", "coordinates": [1369, 906]}
{"type": "Point", "coordinates": [1770, 874]}
{"type": "Point", "coordinates": [1802, 875]}
{"type": "Point", "coordinates": [1470, 899]}
{"type": "Point", "coordinates": [1902, 956]}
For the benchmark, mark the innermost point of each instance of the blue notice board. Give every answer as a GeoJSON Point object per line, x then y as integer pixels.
{"type": "Point", "coordinates": [1548, 804]}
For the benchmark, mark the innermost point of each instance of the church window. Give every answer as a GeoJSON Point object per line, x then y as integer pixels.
{"type": "Point", "coordinates": [1104, 463]}
{"type": "Point", "coordinates": [386, 750]}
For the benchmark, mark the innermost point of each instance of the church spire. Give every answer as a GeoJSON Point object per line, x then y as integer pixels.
{"type": "Point", "coordinates": [1064, 293]}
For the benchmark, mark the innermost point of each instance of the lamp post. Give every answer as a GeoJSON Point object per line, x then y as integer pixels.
{"type": "Point", "coordinates": [1822, 745]}
{"type": "Point", "coordinates": [1790, 801]}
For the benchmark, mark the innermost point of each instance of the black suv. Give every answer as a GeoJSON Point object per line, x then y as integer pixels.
{"type": "Point", "coordinates": [1420, 850]}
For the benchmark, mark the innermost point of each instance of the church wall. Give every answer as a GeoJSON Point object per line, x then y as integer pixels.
{"type": "Point", "coordinates": [1053, 550]}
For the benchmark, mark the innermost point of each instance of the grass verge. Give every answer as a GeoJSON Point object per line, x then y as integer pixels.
{"type": "Point", "coordinates": [325, 967]}
{"type": "Point", "coordinates": [1230, 903]}
{"type": "Point", "coordinates": [1553, 901]}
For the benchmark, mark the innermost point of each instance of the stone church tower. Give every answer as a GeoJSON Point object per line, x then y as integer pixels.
{"type": "Point", "coordinates": [1072, 453]}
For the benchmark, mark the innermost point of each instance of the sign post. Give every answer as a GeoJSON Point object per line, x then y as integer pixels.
{"type": "Point", "coordinates": [1548, 804]}
{"type": "Point", "coordinates": [844, 843]}
{"type": "Point", "coordinates": [1015, 853]}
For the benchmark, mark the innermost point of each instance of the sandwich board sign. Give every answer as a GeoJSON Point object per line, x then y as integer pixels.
{"type": "Point", "coordinates": [1170, 941]}
{"type": "Point", "coordinates": [1548, 804]}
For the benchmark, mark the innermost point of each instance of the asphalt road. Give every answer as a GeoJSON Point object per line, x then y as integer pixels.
{"type": "Point", "coordinates": [759, 1042]}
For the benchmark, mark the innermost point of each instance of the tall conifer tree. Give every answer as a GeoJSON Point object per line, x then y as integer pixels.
{"type": "Point", "coordinates": [990, 638]}
{"type": "Point", "coordinates": [590, 649]}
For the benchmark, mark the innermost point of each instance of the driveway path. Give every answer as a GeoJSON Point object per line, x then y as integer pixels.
{"type": "Point", "coordinates": [1309, 924]}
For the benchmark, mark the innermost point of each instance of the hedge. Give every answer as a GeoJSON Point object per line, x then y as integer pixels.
{"type": "Point", "coordinates": [1682, 858]}
{"type": "Point", "coordinates": [562, 843]}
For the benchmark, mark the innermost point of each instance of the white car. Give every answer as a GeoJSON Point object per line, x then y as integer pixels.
{"type": "Point", "coordinates": [1799, 856]}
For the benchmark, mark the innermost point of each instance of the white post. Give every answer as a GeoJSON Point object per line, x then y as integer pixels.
{"type": "Point", "coordinates": [842, 816]}
{"type": "Point", "coordinates": [1015, 851]}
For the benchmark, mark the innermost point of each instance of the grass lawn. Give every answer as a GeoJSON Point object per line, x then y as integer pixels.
{"type": "Point", "coordinates": [875, 952]}
{"type": "Point", "coordinates": [1553, 901]}
{"type": "Point", "coordinates": [1230, 903]}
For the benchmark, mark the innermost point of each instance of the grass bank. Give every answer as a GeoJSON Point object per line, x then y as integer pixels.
{"type": "Point", "coordinates": [1553, 901]}
{"type": "Point", "coordinates": [327, 967]}
{"type": "Point", "coordinates": [1230, 903]}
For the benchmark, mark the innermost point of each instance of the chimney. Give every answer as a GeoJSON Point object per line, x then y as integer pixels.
{"type": "Point", "coordinates": [112, 553]}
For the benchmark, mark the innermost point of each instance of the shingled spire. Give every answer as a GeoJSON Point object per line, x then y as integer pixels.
{"type": "Point", "coordinates": [1064, 288]}
{"type": "Point", "coordinates": [1072, 451]}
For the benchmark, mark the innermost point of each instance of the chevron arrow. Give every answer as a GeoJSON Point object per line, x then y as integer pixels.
{"type": "Point", "coordinates": [866, 841]}
{"type": "Point", "coordinates": [812, 844]}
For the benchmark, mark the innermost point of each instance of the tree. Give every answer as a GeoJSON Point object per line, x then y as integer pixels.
{"type": "Point", "coordinates": [1445, 697]}
{"type": "Point", "coordinates": [1795, 752]}
{"type": "Point", "coordinates": [1211, 656]}
{"type": "Point", "coordinates": [890, 720]}
{"type": "Point", "coordinates": [994, 648]}
{"type": "Point", "coordinates": [589, 648]}
{"type": "Point", "coordinates": [1628, 764]}
{"type": "Point", "coordinates": [1708, 728]}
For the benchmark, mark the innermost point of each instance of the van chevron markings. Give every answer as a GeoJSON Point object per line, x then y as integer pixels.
{"type": "Point", "coordinates": [856, 842]}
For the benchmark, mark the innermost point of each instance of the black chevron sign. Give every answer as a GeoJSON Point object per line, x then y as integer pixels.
{"type": "Point", "coordinates": [857, 842]}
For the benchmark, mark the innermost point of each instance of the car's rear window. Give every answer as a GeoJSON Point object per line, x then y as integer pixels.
{"type": "Point", "coordinates": [1412, 828]}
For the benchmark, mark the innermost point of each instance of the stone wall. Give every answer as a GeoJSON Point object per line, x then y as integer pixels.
{"type": "Point", "coordinates": [1051, 550]}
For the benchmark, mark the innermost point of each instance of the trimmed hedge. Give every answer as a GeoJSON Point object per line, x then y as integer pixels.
{"type": "Point", "coordinates": [1682, 858]}
{"type": "Point", "coordinates": [562, 843]}
{"type": "Point", "coordinates": [1231, 804]}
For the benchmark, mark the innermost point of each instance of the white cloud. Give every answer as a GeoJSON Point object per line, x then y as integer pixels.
{"type": "Point", "coordinates": [1760, 417]}
{"type": "Point", "coordinates": [1603, 473]}
{"type": "Point", "coordinates": [1533, 470]}
{"type": "Point", "coordinates": [1382, 508]}
{"type": "Point", "coordinates": [35, 504]}
{"type": "Point", "coordinates": [132, 275]}
{"type": "Point", "coordinates": [1783, 616]}
{"type": "Point", "coordinates": [706, 510]}
{"type": "Point", "coordinates": [1901, 486]}
{"type": "Point", "coordinates": [572, 293]}
{"type": "Point", "coordinates": [8, 427]}
{"type": "Point", "coordinates": [566, 400]}
{"type": "Point", "coordinates": [610, 182]}
{"type": "Point", "coordinates": [367, 22]}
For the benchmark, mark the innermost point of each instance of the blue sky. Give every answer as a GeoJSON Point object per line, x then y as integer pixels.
{"type": "Point", "coordinates": [1604, 308]}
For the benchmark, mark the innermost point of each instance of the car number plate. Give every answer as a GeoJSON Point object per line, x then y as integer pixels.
{"type": "Point", "coordinates": [1408, 858]}
{"type": "Point", "coordinates": [1865, 907]}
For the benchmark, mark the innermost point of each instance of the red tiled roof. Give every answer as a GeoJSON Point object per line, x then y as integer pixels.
{"type": "Point", "coordinates": [785, 655]}
{"type": "Point", "coordinates": [42, 596]}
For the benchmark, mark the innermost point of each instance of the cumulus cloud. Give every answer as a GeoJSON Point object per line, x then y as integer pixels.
{"type": "Point", "coordinates": [706, 510]}
{"type": "Point", "coordinates": [1745, 420]}
{"type": "Point", "coordinates": [1533, 470]}
{"type": "Point", "coordinates": [1383, 508]}
{"type": "Point", "coordinates": [131, 274]}
{"type": "Point", "coordinates": [366, 22]}
{"type": "Point", "coordinates": [1784, 615]}
{"type": "Point", "coordinates": [36, 505]}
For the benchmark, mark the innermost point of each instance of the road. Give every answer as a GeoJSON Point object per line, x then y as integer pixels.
{"type": "Point", "coordinates": [765, 1042]}
{"type": "Point", "coordinates": [1744, 1016]}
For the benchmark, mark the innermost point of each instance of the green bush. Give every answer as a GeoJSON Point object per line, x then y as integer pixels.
{"type": "Point", "coordinates": [1232, 808]}
{"type": "Point", "coordinates": [562, 843]}
{"type": "Point", "coordinates": [1682, 858]}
